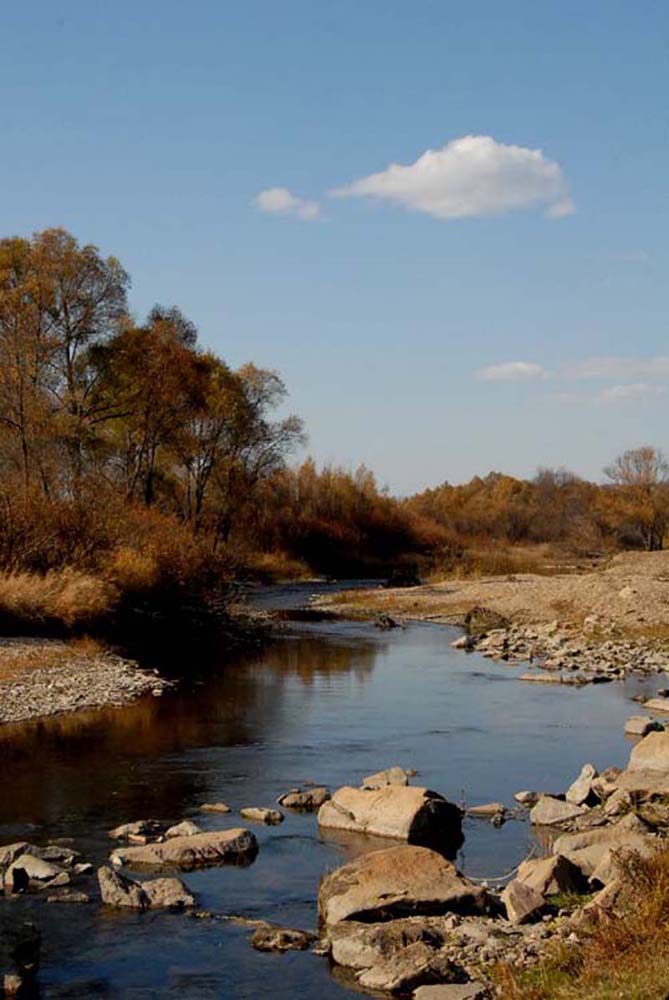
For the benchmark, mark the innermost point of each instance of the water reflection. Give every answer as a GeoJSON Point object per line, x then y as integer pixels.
{"type": "Point", "coordinates": [70, 764]}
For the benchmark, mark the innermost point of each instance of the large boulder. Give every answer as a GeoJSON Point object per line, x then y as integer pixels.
{"type": "Point", "coordinates": [550, 811]}
{"type": "Point", "coordinates": [651, 753]}
{"type": "Point", "coordinates": [236, 846]}
{"type": "Point", "coordinates": [587, 850]}
{"type": "Point", "coordinates": [416, 815]}
{"type": "Point", "coordinates": [396, 956]}
{"type": "Point", "coordinates": [397, 882]}
{"type": "Point", "coordinates": [549, 876]}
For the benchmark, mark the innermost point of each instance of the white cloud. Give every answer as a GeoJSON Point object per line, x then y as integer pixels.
{"type": "Point", "coordinates": [633, 390]}
{"type": "Point", "coordinates": [471, 176]}
{"type": "Point", "coordinates": [280, 201]}
{"type": "Point", "coordinates": [512, 371]}
{"type": "Point", "coordinates": [618, 367]}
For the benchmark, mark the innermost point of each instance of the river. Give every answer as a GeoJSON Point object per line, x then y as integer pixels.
{"type": "Point", "coordinates": [329, 702]}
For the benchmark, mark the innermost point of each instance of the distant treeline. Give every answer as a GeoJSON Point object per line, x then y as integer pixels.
{"type": "Point", "coordinates": [130, 454]}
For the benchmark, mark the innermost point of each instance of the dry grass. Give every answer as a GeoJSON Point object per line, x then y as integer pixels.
{"type": "Point", "coordinates": [624, 956]}
{"type": "Point", "coordinates": [485, 558]}
{"type": "Point", "coordinates": [272, 567]}
{"type": "Point", "coordinates": [68, 597]}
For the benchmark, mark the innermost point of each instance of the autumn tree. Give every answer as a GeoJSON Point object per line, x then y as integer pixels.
{"type": "Point", "coordinates": [640, 479]}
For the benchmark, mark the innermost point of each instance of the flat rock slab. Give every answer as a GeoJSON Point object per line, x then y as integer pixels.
{"type": "Point", "coordinates": [404, 813]}
{"type": "Point", "coordinates": [397, 882]}
{"type": "Point", "coordinates": [551, 812]}
{"type": "Point", "coordinates": [203, 850]}
{"type": "Point", "coordinates": [641, 725]}
{"type": "Point", "coordinates": [452, 991]}
{"type": "Point", "coordinates": [652, 752]}
{"type": "Point", "coordinates": [657, 705]}
{"type": "Point", "coordinates": [215, 807]}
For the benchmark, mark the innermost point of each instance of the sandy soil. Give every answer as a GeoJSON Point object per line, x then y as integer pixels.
{"type": "Point", "coordinates": [629, 594]}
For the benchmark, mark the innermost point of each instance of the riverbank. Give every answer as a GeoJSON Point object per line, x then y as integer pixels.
{"type": "Point", "coordinates": [42, 677]}
{"type": "Point", "coordinates": [603, 623]}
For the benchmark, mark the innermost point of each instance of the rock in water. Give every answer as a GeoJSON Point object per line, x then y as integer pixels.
{"type": "Point", "coordinates": [119, 891]}
{"type": "Point", "coordinates": [270, 938]}
{"type": "Point", "coordinates": [641, 725]}
{"type": "Point", "coordinates": [167, 893]}
{"type": "Point", "coordinates": [307, 800]}
{"type": "Point", "coordinates": [236, 846]}
{"type": "Point", "coordinates": [157, 894]}
{"type": "Point", "coordinates": [404, 813]}
{"type": "Point", "coordinates": [272, 817]}
{"type": "Point", "coordinates": [397, 882]}
{"type": "Point", "coordinates": [551, 812]}
{"type": "Point", "coordinates": [391, 776]}
{"type": "Point", "coordinates": [215, 807]}
{"type": "Point", "coordinates": [145, 828]}
{"type": "Point", "coordinates": [581, 791]}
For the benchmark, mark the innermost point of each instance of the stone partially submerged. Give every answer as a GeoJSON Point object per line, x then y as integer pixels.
{"type": "Point", "coordinates": [416, 815]}
{"type": "Point", "coordinates": [397, 882]}
{"type": "Point", "coordinates": [236, 846]}
{"type": "Point", "coordinates": [306, 799]}
{"type": "Point", "coordinates": [121, 892]}
{"type": "Point", "coordinates": [391, 776]}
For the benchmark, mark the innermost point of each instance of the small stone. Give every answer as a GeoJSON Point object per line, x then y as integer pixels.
{"type": "Point", "coordinates": [272, 817]}
{"type": "Point", "coordinates": [270, 938]}
{"type": "Point", "coordinates": [308, 800]}
{"type": "Point", "coordinates": [527, 798]}
{"type": "Point", "coordinates": [215, 807]}
{"type": "Point", "coordinates": [488, 810]}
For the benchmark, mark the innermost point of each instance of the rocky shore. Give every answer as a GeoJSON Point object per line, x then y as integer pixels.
{"type": "Point", "coordinates": [401, 920]}
{"type": "Point", "coordinates": [45, 677]}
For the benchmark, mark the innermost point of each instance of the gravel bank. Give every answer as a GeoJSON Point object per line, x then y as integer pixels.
{"type": "Point", "coordinates": [42, 677]}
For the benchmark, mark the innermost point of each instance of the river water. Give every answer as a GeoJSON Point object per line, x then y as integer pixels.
{"type": "Point", "coordinates": [329, 702]}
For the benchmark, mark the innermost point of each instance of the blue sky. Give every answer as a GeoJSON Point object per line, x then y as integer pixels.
{"type": "Point", "coordinates": [151, 129]}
